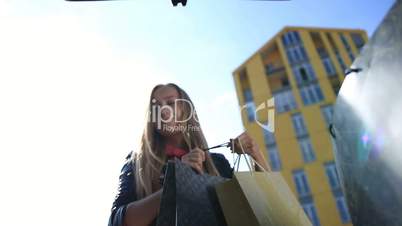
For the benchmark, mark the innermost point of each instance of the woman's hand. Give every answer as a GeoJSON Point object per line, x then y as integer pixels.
{"type": "Point", "coordinates": [195, 158]}
{"type": "Point", "coordinates": [251, 148]}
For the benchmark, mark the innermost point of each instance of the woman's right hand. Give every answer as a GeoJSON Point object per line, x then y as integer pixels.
{"type": "Point", "coordinates": [195, 158]}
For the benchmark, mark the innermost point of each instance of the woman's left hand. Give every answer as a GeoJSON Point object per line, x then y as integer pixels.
{"type": "Point", "coordinates": [249, 145]}
{"type": "Point", "coordinates": [251, 148]}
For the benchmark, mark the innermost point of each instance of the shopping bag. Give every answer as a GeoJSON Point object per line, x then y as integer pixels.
{"type": "Point", "coordinates": [259, 199]}
{"type": "Point", "coordinates": [188, 198]}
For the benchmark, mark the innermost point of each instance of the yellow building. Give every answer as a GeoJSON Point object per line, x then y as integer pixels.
{"type": "Point", "coordinates": [302, 68]}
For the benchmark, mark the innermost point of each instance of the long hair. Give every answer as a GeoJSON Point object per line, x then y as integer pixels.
{"type": "Point", "coordinates": [151, 157]}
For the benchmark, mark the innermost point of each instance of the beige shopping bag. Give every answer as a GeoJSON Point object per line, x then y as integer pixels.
{"type": "Point", "coordinates": [259, 199]}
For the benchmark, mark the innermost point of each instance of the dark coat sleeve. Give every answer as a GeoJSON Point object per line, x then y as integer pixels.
{"type": "Point", "coordinates": [125, 194]}
{"type": "Point", "coordinates": [222, 165]}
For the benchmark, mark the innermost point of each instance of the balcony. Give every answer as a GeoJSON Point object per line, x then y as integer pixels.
{"type": "Point", "coordinates": [278, 83]}
{"type": "Point", "coordinates": [322, 52]}
{"type": "Point", "coordinates": [307, 82]}
{"type": "Point", "coordinates": [273, 70]}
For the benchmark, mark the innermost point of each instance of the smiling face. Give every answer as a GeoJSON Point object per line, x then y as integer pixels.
{"type": "Point", "coordinates": [168, 110]}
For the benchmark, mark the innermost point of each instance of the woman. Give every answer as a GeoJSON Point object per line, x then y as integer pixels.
{"type": "Point", "coordinates": [172, 131]}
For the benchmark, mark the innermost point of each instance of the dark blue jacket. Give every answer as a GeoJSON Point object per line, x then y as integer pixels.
{"type": "Point", "coordinates": [126, 189]}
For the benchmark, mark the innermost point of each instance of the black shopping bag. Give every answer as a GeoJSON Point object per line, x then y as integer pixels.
{"type": "Point", "coordinates": [189, 199]}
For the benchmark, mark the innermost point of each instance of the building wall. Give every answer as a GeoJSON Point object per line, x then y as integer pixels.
{"type": "Point", "coordinates": [269, 73]}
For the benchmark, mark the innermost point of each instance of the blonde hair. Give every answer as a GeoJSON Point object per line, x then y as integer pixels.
{"type": "Point", "coordinates": [151, 157]}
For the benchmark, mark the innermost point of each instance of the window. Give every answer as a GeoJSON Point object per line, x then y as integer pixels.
{"type": "Point", "coordinates": [307, 149]}
{"type": "Point", "coordinates": [304, 97]}
{"type": "Point", "coordinates": [298, 124]}
{"type": "Point", "coordinates": [269, 137]}
{"type": "Point", "coordinates": [329, 67]}
{"type": "Point", "coordinates": [338, 57]}
{"type": "Point", "coordinates": [273, 154]}
{"type": "Point", "coordinates": [291, 38]}
{"type": "Point", "coordinates": [304, 73]}
{"type": "Point", "coordinates": [333, 180]}
{"type": "Point", "coordinates": [331, 41]}
{"type": "Point", "coordinates": [280, 101]}
{"type": "Point", "coordinates": [347, 46]}
{"type": "Point", "coordinates": [269, 68]}
{"type": "Point", "coordinates": [344, 41]}
{"type": "Point", "coordinates": [274, 158]}
{"type": "Point", "coordinates": [300, 180]}
{"type": "Point", "coordinates": [318, 92]}
{"type": "Point", "coordinates": [284, 101]}
{"type": "Point", "coordinates": [296, 54]}
{"type": "Point", "coordinates": [332, 175]}
{"type": "Point", "coordinates": [248, 96]}
{"type": "Point", "coordinates": [296, 36]}
{"type": "Point", "coordinates": [294, 47]}
{"type": "Point", "coordinates": [301, 53]}
{"type": "Point", "coordinates": [357, 40]}
{"type": "Point", "coordinates": [322, 52]}
{"type": "Point", "coordinates": [285, 82]}
{"type": "Point", "coordinates": [292, 56]}
{"type": "Point", "coordinates": [311, 94]}
{"type": "Point", "coordinates": [250, 105]}
{"type": "Point", "coordinates": [343, 66]}
{"type": "Point", "coordinates": [342, 208]}
{"type": "Point", "coordinates": [327, 112]}
{"type": "Point", "coordinates": [311, 212]}
{"type": "Point", "coordinates": [290, 100]}
{"type": "Point", "coordinates": [272, 68]}
{"type": "Point", "coordinates": [285, 40]}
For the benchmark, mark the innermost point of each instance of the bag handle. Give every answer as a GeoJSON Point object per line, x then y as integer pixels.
{"type": "Point", "coordinates": [248, 163]}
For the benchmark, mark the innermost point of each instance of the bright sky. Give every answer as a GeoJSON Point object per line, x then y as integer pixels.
{"type": "Point", "coordinates": [75, 77]}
